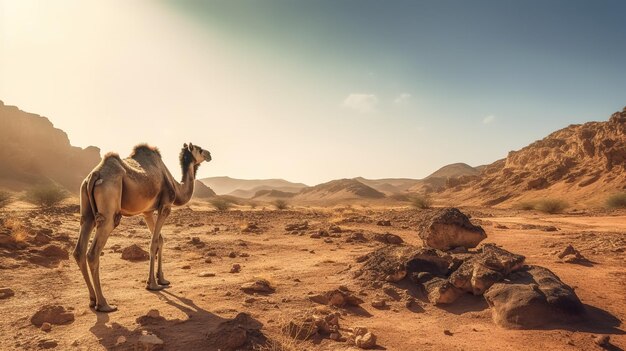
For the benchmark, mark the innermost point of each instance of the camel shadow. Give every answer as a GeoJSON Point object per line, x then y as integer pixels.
{"type": "Point", "coordinates": [177, 334]}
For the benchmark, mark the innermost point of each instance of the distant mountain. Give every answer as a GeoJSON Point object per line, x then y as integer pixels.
{"type": "Point", "coordinates": [201, 191]}
{"type": "Point", "coordinates": [268, 195]}
{"type": "Point", "coordinates": [454, 170]}
{"type": "Point", "coordinates": [33, 151]}
{"type": "Point", "coordinates": [444, 177]}
{"type": "Point", "coordinates": [579, 163]}
{"type": "Point", "coordinates": [340, 189]}
{"type": "Point", "coordinates": [227, 185]}
{"type": "Point", "coordinates": [389, 185]}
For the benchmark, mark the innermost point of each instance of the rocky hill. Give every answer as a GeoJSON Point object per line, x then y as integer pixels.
{"type": "Point", "coordinates": [201, 191]}
{"type": "Point", "coordinates": [445, 177]}
{"type": "Point", "coordinates": [246, 188]}
{"type": "Point", "coordinates": [340, 189]}
{"type": "Point", "coordinates": [580, 163]}
{"type": "Point", "coordinates": [33, 151]}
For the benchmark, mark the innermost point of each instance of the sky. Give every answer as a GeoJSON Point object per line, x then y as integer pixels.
{"type": "Point", "coordinates": [311, 91]}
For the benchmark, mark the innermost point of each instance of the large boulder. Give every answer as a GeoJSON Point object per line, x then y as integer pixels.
{"type": "Point", "coordinates": [448, 228]}
{"type": "Point", "coordinates": [480, 272]}
{"type": "Point", "coordinates": [533, 297]}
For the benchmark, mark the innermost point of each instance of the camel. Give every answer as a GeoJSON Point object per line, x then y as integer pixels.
{"type": "Point", "coordinates": [139, 184]}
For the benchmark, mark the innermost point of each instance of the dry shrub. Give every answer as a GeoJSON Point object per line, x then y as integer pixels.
{"type": "Point", "coordinates": [291, 338]}
{"type": "Point", "coordinates": [280, 204]}
{"type": "Point", "coordinates": [19, 234]}
{"type": "Point", "coordinates": [616, 201]}
{"type": "Point", "coordinates": [421, 202]}
{"type": "Point", "coordinates": [221, 204]}
{"type": "Point", "coordinates": [551, 206]}
{"type": "Point", "coordinates": [46, 195]}
{"type": "Point", "coordinates": [5, 198]}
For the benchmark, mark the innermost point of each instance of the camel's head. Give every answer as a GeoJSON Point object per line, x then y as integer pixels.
{"type": "Point", "coordinates": [199, 154]}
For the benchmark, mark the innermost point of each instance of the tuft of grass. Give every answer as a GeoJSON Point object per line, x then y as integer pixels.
{"type": "Point", "coordinates": [5, 198]}
{"type": "Point", "coordinates": [421, 202]}
{"type": "Point", "coordinates": [18, 234]}
{"type": "Point", "coordinates": [46, 195]}
{"type": "Point", "coordinates": [616, 201]}
{"type": "Point", "coordinates": [221, 204]}
{"type": "Point", "coordinates": [551, 206]}
{"type": "Point", "coordinates": [280, 204]}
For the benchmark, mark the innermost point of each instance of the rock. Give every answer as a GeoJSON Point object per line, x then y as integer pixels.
{"type": "Point", "coordinates": [338, 298]}
{"type": "Point", "coordinates": [439, 290]}
{"type": "Point", "coordinates": [481, 271]}
{"type": "Point", "coordinates": [335, 229]}
{"type": "Point", "coordinates": [571, 255]}
{"type": "Point", "coordinates": [316, 322]}
{"type": "Point", "coordinates": [46, 327]}
{"type": "Point", "coordinates": [356, 237]}
{"type": "Point", "coordinates": [206, 274]}
{"type": "Point", "coordinates": [251, 227]}
{"type": "Point", "coordinates": [602, 340]}
{"type": "Point", "coordinates": [232, 254]}
{"type": "Point", "coordinates": [241, 332]}
{"type": "Point", "coordinates": [384, 223]}
{"type": "Point", "coordinates": [47, 344]}
{"type": "Point", "coordinates": [379, 303]}
{"type": "Point", "coordinates": [53, 314]}
{"type": "Point", "coordinates": [259, 286]}
{"type": "Point", "coordinates": [134, 253]}
{"type": "Point", "coordinates": [388, 238]}
{"type": "Point", "coordinates": [5, 293]}
{"type": "Point", "coordinates": [315, 236]}
{"type": "Point", "coordinates": [149, 342]}
{"type": "Point", "coordinates": [430, 260]}
{"type": "Point", "coordinates": [447, 332]}
{"type": "Point", "coordinates": [187, 266]}
{"type": "Point", "coordinates": [120, 340]}
{"type": "Point", "coordinates": [363, 338]}
{"type": "Point", "coordinates": [533, 297]}
{"type": "Point", "coordinates": [449, 228]}
{"type": "Point", "coordinates": [152, 317]}
{"type": "Point", "coordinates": [297, 226]}
{"type": "Point", "coordinates": [236, 268]}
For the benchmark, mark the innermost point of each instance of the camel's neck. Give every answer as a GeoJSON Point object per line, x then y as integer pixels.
{"type": "Point", "coordinates": [185, 188]}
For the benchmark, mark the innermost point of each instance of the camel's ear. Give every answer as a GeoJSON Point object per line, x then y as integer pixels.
{"type": "Point", "coordinates": [185, 145]}
{"type": "Point", "coordinates": [190, 146]}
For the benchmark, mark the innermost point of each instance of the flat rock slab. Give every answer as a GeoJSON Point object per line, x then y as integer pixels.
{"type": "Point", "coordinates": [531, 298]}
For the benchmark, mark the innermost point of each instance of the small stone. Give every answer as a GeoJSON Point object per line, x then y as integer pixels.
{"type": "Point", "coordinates": [379, 303]}
{"type": "Point", "coordinates": [366, 341]}
{"type": "Point", "coordinates": [206, 274]}
{"type": "Point", "coordinates": [75, 343]}
{"type": "Point", "coordinates": [5, 293]}
{"type": "Point", "coordinates": [149, 342]}
{"type": "Point", "coordinates": [232, 254]}
{"type": "Point", "coordinates": [208, 260]}
{"type": "Point", "coordinates": [602, 340]}
{"type": "Point", "coordinates": [186, 267]}
{"type": "Point", "coordinates": [335, 336]}
{"type": "Point", "coordinates": [153, 313]}
{"type": "Point", "coordinates": [120, 340]}
{"type": "Point", "coordinates": [236, 268]}
{"type": "Point", "coordinates": [249, 300]}
{"type": "Point", "coordinates": [243, 254]}
{"type": "Point", "coordinates": [447, 332]}
{"type": "Point", "coordinates": [46, 327]}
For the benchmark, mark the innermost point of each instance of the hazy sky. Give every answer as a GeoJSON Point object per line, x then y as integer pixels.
{"type": "Point", "coordinates": [316, 90]}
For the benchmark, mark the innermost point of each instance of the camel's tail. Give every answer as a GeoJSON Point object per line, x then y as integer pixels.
{"type": "Point", "coordinates": [91, 182]}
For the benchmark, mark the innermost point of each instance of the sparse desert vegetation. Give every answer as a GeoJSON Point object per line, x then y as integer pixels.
{"type": "Point", "coordinates": [280, 204]}
{"type": "Point", "coordinates": [5, 198]}
{"type": "Point", "coordinates": [421, 202]}
{"type": "Point", "coordinates": [221, 204]}
{"type": "Point", "coordinates": [616, 201]}
{"type": "Point", "coordinates": [46, 195]}
{"type": "Point", "coordinates": [551, 206]}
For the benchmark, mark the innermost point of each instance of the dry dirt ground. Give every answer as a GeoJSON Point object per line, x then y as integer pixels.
{"type": "Point", "coordinates": [296, 265]}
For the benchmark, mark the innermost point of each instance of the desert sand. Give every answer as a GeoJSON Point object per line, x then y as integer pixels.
{"type": "Point", "coordinates": [202, 245]}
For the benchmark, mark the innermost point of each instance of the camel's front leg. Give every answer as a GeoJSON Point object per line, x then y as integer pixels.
{"type": "Point", "coordinates": [149, 217]}
{"type": "Point", "coordinates": [155, 246]}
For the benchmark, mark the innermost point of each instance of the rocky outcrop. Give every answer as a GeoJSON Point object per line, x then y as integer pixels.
{"type": "Point", "coordinates": [531, 298]}
{"type": "Point", "coordinates": [32, 151]}
{"type": "Point", "coordinates": [583, 161]}
{"type": "Point", "coordinates": [448, 228]}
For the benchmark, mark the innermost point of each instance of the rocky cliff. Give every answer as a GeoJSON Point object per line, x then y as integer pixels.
{"type": "Point", "coordinates": [33, 151]}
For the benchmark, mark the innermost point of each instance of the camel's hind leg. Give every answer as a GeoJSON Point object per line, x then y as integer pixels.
{"type": "Point", "coordinates": [87, 223]}
{"type": "Point", "coordinates": [108, 217]}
